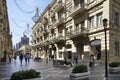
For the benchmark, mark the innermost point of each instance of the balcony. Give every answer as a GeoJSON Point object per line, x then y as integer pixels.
{"type": "Point", "coordinates": [54, 39]}
{"type": "Point", "coordinates": [58, 6]}
{"type": "Point", "coordinates": [94, 3]}
{"type": "Point", "coordinates": [46, 42]}
{"type": "Point", "coordinates": [40, 44]}
{"type": "Point", "coordinates": [45, 31]}
{"type": "Point", "coordinates": [58, 38]}
{"type": "Point", "coordinates": [77, 9]}
{"type": "Point", "coordinates": [59, 21]}
{"type": "Point", "coordinates": [51, 13]}
{"type": "Point", "coordinates": [44, 20]}
{"type": "Point", "coordinates": [35, 45]}
{"type": "Point", "coordinates": [40, 33]}
{"type": "Point", "coordinates": [50, 27]}
{"type": "Point", "coordinates": [77, 33]}
{"type": "Point", "coordinates": [53, 21]}
{"type": "Point", "coordinates": [37, 35]}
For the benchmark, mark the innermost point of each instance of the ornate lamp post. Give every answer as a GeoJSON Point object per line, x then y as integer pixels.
{"type": "Point", "coordinates": [106, 62]}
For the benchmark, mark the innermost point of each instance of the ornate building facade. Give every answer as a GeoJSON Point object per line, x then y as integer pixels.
{"type": "Point", "coordinates": [5, 36]}
{"type": "Point", "coordinates": [66, 27]}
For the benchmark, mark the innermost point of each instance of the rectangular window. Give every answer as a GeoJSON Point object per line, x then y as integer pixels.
{"type": "Point", "coordinates": [53, 19]}
{"type": "Point", "coordinates": [99, 19]}
{"type": "Point", "coordinates": [91, 22]}
{"type": "Point", "coordinates": [116, 48]}
{"type": "Point", "coordinates": [82, 26]}
{"type": "Point", "coordinates": [76, 3]}
{"type": "Point", "coordinates": [69, 30]}
{"type": "Point", "coordinates": [79, 3]}
{"type": "Point", "coordinates": [77, 28]}
{"type": "Point", "coordinates": [116, 18]}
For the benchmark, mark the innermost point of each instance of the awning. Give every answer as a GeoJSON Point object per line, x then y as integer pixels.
{"type": "Point", "coordinates": [95, 42]}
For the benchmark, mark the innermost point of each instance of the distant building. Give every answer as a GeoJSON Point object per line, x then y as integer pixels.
{"type": "Point", "coordinates": [18, 45]}
{"type": "Point", "coordinates": [25, 49]}
{"type": "Point", "coordinates": [24, 40]}
{"type": "Point", "coordinates": [24, 45]}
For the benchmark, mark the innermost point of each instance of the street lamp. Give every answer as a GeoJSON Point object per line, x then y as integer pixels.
{"type": "Point", "coordinates": [106, 63]}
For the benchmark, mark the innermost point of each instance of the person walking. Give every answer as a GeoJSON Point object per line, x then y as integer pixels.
{"type": "Point", "coordinates": [15, 56]}
{"type": "Point", "coordinates": [46, 59]}
{"type": "Point", "coordinates": [76, 58]}
{"type": "Point", "coordinates": [52, 57]}
{"type": "Point", "coordinates": [10, 56]}
{"type": "Point", "coordinates": [21, 57]}
{"type": "Point", "coordinates": [98, 53]}
{"type": "Point", "coordinates": [26, 57]}
{"type": "Point", "coordinates": [92, 61]}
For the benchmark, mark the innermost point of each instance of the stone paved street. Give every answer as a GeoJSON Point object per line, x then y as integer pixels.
{"type": "Point", "coordinates": [49, 72]}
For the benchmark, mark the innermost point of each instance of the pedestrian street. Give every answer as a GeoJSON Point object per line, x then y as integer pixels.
{"type": "Point", "coordinates": [46, 69]}
{"type": "Point", "coordinates": [50, 72]}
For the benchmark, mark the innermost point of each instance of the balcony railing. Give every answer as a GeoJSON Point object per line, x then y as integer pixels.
{"type": "Point", "coordinates": [44, 31]}
{"type": "Point", "coordinates": [40, 33]}
{"type": "Point", "coordinates": [46, 42]}
{"type": "Point", "coordinates": [41, 43]}
{"type": "Point", "coordinates": [51, 27]}
{"type": "Point", "coordinates": [53, 21]}
{"type": "Point", "coordinates": [52, 40]}
{"type": "Point", "coordinates": [77, 9]}
{"type": "Point", "coordinates": [51, 13]}
{"type": "Point", "coordinates": [60, 37]}
{"type": "Point", "coordinates": [44, 20]}
{"type": "Point", "coordinates": [77, 32]}
{"type": "Point", "coordinates": [57, 38]}
{"type": "Point", "coordinates": [59, 21]}
{"type": "Point", "coordinates": [59, 5]}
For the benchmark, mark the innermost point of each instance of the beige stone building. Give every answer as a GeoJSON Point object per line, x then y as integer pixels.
{"type": "Point", "coordinates": [5, 36]}
{"type": "Point", "coordinates": [66, 27]}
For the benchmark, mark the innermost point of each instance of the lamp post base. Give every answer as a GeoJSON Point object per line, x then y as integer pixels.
{"type": "Point", "coordinates": [105, 78]}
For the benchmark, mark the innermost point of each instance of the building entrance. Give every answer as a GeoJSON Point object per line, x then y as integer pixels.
{"type": "Point", "coordinates": [96, 48]}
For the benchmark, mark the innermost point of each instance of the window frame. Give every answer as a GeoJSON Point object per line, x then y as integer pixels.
{"type": "Point", "coordinates": [91, 22]}
{"type": "Point", "coordinates": [116, 48]}
{"type": "Point", "coordinates": [116, 16]}
{"type": "Point", "coordinates": [99, 19]}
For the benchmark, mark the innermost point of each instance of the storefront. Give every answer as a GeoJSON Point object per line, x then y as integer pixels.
{"type": "Point", "coordinates": [95, 48]}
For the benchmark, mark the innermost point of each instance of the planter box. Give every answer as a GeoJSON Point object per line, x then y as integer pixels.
{"type": "Point", "coordinates": [34, 79]}
{"type": "Point", "coordinates": [114, 69]}
{"type": "Point", "coordinates": [78, 76]}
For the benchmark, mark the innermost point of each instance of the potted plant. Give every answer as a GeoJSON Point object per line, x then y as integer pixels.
{"type": "Point", "coordinates": [114, 67]}
{"type": "Point", "coordinates": [79, 72]}
{"type": "Point", "coordinates": [25, 74]}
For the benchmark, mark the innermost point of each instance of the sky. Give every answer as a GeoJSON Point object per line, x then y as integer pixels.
{"type": "Point", "coordinates": [20, 13]}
